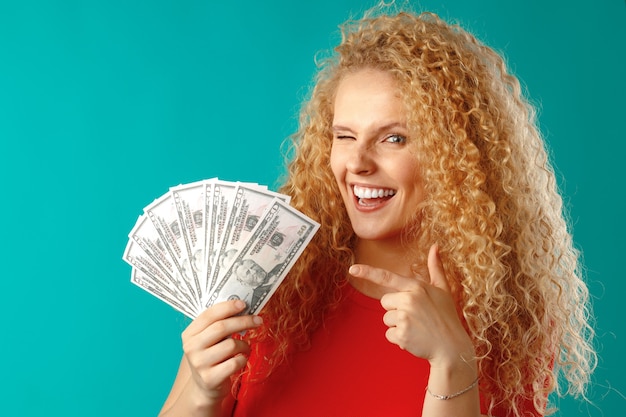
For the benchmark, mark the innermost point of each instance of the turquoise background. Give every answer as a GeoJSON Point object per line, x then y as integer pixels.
{"type": "Point", "coordinates": [105, 104]}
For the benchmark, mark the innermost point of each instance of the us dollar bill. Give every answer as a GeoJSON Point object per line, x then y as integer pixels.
{"type": "Point", "coordinates": [159, 282]}
{"type": "Point", "coordinates": [212, 240]}
{"type": "Point", "coordinates": [190, 206]}
{"type": "Point", "coordinates": [145, 235]}
{"type": "Point", "coordinates": [248, 207]}
{"type": "Point", "coordinates": [162, 213]}
{"type": "Point", "coordinates": [209, 218]}
{"type": "Point", "coordinates": [222, 197]}
{"type": "Point", "coordinates": [264, 260]}
{"type": "Point", "coordinates": [147, 284]}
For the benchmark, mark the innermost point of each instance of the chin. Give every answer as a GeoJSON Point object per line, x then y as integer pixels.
{"type": "Point", "coordinates": [377, 235]}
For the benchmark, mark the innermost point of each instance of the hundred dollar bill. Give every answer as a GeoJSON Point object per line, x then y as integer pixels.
{"type": "Point", "coordinates": [151, 273]}
{"type": "Point", "coordinates": [162, 213]}
{"type": "Point", "coordinates": [146, 283]}
{"type": "Point", "coordinates": [189, 203]}
{"type": "Point", "coordinates": [265, 259]}
{"type": "Point", "coordinates": [147, 238]}
{"type": "Point", "coordinates": [249, 205]}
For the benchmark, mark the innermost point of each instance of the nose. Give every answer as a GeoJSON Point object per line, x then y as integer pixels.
{"type": "Point", "coordinates": [361, 160]}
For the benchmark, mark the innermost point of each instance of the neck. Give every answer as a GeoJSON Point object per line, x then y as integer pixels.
{"type": "Point", "coordinates": [390, 255]}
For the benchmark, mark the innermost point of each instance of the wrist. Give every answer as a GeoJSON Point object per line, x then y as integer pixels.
{"type": "Point", "coordinates": [445, 397]}
{"type": "Point", "coordinates": [458, 358]}
{"type": "Point", "coordinates": [207, 402]}
{"type": "Point", "coordinates": [453, 373]}
{"type": "Point", "coordinates": [452, 388]}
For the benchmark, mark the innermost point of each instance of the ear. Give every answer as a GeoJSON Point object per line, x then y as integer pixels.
{"type": "Point", "coordinates": [435, 269]}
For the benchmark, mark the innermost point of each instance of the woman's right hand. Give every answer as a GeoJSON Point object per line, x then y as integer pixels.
{"type": "Point", "coordinates": [211, 354]}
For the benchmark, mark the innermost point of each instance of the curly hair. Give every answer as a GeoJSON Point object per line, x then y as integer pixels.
{"type": "Point", "coordinates": [492, 206]}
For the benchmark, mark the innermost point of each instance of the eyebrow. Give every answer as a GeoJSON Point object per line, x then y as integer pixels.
{"type": "Point", "coordinates": [389, 126]}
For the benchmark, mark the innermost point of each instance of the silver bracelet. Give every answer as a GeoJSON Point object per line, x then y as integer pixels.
{"type": "Point", "coordinates": [456, 394]}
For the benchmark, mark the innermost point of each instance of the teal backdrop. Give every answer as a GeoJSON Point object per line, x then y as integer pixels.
{"type": "Point", "coordinates": [104, 104]}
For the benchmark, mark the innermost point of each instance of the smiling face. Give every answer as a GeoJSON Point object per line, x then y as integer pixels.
{"type": "Point", "coordinates": [371, 158]}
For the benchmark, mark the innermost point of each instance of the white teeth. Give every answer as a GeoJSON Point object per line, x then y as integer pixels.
{"type": "Point", "coordinates": [362, 192]}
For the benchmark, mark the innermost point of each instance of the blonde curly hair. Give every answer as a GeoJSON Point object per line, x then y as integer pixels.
{"type": "Point", "coordinates": [492, 205]}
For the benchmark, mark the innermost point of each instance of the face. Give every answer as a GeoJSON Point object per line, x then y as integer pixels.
{"type": "Point", "coordinates": [249, 273]}
{"type": "Point", "coordinates": [371, 157]}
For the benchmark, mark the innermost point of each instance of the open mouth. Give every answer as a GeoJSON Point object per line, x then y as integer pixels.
{"type": "Point", "coordinates": [371, 197]}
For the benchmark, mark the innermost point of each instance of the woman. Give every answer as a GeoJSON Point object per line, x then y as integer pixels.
{"type": "Point", "coordinates": [443, 280]}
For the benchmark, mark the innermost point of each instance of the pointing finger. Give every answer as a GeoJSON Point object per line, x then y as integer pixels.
{"type": "Point", "coordinates": [382, 277]}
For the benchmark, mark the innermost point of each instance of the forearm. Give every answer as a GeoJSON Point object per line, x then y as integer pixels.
{"type": "Point", "coordinates": [192, 403]}
{"type": "Point", "coordinates": [452, 391]}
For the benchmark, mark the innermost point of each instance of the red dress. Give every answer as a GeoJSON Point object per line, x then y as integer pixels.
{"type": "Point", "coordinates": [351, 370]}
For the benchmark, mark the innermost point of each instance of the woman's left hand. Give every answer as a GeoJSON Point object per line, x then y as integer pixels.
{"type": "Point", "coordinates": [421, 313]}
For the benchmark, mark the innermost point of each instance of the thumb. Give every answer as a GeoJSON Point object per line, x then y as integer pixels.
{"type": "Point", "coordinates": [435, 269]}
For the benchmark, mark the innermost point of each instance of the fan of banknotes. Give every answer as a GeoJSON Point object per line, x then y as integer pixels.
{"type": "Point", "coordinates": [214, 240]}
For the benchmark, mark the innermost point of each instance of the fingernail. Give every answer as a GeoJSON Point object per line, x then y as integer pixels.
{"type": "Point", "coordinates": [240, 304]}
{"type": "Point", "coordinates": [354, 270]}
{"type": "Point", "coordinates": [257, 320]}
